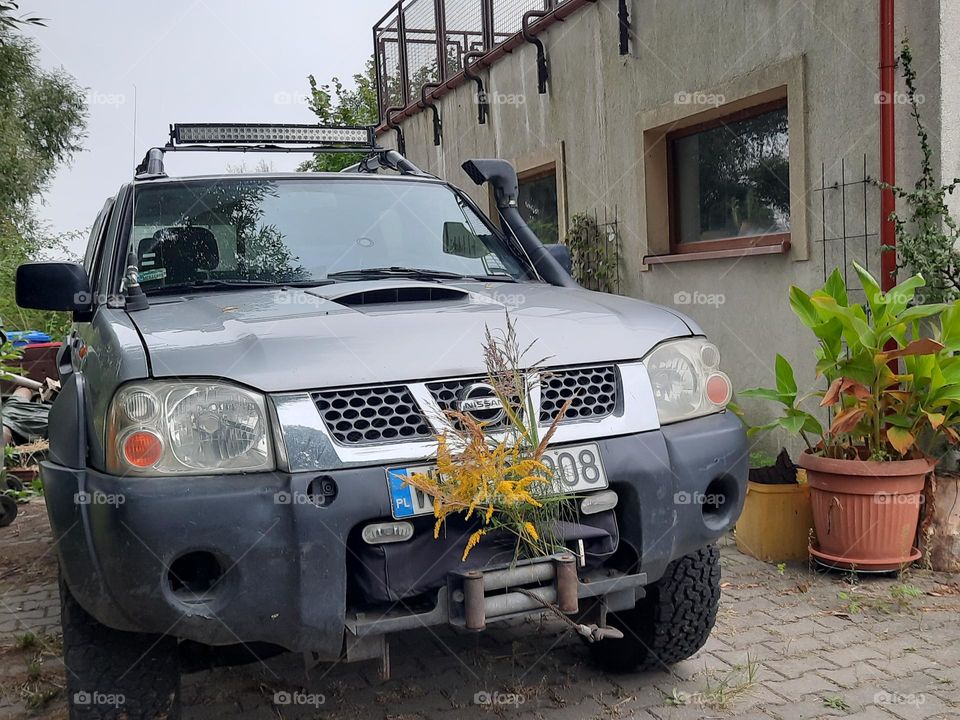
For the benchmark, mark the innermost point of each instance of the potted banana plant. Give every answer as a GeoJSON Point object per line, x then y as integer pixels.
{"type": "Point", "coordinates": [889, 390]}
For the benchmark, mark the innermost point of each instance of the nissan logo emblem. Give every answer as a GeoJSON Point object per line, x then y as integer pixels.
{"type": "Point", "coordinates": [480, 402]}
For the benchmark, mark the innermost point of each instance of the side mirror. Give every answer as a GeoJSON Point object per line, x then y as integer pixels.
{"type": "Point", "coordinates": [55, 286]}
{"type": "Point", "coordinates": [561, 253]}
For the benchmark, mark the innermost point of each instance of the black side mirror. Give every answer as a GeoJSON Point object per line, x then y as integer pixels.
{"type": "Point", "coordinates": [561, 253]}
{"type": "Point", "coordinates": [55, 286]}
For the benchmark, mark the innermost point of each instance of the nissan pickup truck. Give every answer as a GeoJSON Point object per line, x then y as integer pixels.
{"type": "Point", "coordinates": [259, 360]}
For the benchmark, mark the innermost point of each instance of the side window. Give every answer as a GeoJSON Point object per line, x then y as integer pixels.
{"type": "Point", "coordinates": [95, 248]}
{"type": "Point", "coordinates": [92, 241]}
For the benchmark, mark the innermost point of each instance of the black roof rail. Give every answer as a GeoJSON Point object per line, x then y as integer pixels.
{"type": "Point", "coordinates": [386, 159]}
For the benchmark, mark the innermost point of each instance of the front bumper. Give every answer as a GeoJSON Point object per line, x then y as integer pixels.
{"type": "Point", "coordinates": [287, 562]}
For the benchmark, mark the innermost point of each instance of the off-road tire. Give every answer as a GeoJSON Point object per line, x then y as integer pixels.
{"type": "Point", "coordinates": [672, 622]}
{"type": "Point", "coordinates": [142, 669]}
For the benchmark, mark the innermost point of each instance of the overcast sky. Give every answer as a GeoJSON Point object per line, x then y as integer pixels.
{"type": "Point", "coordinates": [190, 61]}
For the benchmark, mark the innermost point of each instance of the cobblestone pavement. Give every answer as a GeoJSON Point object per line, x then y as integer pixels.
{"type": "Point", "coordinates": [789, 644]}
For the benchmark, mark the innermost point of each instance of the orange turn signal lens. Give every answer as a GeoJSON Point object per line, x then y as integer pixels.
{"type": "Point", "coordinates": [719, 389]}
{"type": "Point", "coordinates": [142, 448]}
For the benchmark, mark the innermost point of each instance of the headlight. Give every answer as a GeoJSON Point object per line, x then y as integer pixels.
{"type": "Point", "coordinates": [188, 428]}
{"type": "Point", "coordinates": [686, 379]}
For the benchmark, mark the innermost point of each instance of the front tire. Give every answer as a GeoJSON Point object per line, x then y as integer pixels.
{"type": "Point", "coordinates": [116, 674]}
{"type": "Point", "coordinates": [672, 622]}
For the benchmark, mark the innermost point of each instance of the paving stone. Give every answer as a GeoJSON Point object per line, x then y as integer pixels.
{"type": "Point", "coordinates": [855, 675]}
{"type": "Point", "coordinates": [807, 684]}
{"type": "Point", "coordinates": [795, 667]}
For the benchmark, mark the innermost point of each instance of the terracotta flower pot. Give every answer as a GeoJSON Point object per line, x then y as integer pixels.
{"type": "Point", "coordinates": [865, 512]}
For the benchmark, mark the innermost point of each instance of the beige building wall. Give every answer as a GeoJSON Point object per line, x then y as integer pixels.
{"type": "Point", "coordinates": [603, 113]}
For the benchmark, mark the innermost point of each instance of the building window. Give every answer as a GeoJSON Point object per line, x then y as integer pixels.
{"type": "Point", "coordinates": [538, 203]}
{"type": "Point", "coordinates": [730, 181]}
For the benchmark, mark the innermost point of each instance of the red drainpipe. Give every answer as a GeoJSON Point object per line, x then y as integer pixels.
{"type": "Point", "coordinates": [888, 159]}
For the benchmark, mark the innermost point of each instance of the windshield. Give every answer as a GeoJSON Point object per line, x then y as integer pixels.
{"type": "Point", "coordinates": [238, 230]}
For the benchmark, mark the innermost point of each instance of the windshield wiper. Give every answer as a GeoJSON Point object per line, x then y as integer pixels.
{"type": "Point", "coordinates": [212, 284]}
{"type": "Point", "coordinates": [379, 273]}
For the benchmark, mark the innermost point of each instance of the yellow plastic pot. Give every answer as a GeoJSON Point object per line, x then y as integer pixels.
{"type": "Point", "coordinates": [775, 523]}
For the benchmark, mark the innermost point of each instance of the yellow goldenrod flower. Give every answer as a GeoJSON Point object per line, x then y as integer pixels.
{"type": "Point", "coordinates": [472, 542]}
{"type": "Point", "coordinates": [531, 530]}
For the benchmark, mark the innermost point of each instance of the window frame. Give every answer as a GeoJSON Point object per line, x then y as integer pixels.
{"type": "Point", "coordinates": [774, 242]}
{"type": "Point", "coordinates": [538, 172]}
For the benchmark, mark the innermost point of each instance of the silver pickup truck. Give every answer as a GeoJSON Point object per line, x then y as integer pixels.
{"type": "Point", "coordinates": [259, 360]}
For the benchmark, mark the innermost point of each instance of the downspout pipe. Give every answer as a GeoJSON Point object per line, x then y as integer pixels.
{"type": "Point", "coordinates": [888, 157]}
{"type": "Point", "coordinates": [543, 72]}
{"type": "Point", "coordinates": [506, 191]}
{"type": "Point", "coordinates": [424, 103]}
{"type": "Point", "coordinates": [388, 119]}
{"type": "Point", "coordinates": [483, 106]}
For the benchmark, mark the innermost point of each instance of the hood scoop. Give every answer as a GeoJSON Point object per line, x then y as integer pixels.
{"type": "Point", "coordinates": [390, 293]}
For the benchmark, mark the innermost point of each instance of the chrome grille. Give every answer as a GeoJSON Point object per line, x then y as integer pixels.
{"type": "Point", "coordinates": [365, 416]}
{"type": "Point", "coordinates": [594, 392]}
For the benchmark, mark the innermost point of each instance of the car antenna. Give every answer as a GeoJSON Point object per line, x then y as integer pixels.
{"type": "Point", "coordinates": [135, 298]}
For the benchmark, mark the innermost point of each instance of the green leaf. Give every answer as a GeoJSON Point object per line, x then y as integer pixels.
{"type": "Point", "coordinates": [950, 327]}
{"type": "Point", "coordinates": [836, 288]}
{"type": "Point", "coordinates": [902, 295]}
{"type": "Point", "coordinates": [793, 423]}
{"type": "Point", "coordinates": [786, 382]}
{"type": "Point", "coordinates": [871, 288]}
{"type": "Point", "coordinates": [803, 307]}
{"type": "Point", "coordinates": [859, 331]}
{"type": "Point", "coordinates": [765, 394]}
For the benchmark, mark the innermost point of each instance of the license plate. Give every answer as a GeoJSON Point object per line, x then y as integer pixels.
{"type": "Point", "coordinates": [576, 469]}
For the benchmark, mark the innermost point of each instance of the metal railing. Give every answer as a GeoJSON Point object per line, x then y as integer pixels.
{"type": "Point", "coordinates": [424, 41]}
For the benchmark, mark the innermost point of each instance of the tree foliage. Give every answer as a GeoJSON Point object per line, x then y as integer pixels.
{"type": "Point", "coordinates": [335, 104]}
{"type": "Point", "coordinates": [42, 119]}
{"type": "Point", "coordinates": [9, 19]}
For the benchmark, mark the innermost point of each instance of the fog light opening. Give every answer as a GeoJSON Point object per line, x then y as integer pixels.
{"type": "Point", "coordinates": [322, 491]}
{"type": "Point", "coordinates": [195, 577]}
{"type": "Point", "coordinates": [718, 501]}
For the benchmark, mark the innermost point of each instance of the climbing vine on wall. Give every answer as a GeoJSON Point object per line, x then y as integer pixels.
{"type": "Point", "coordinates": [927, 234]}
{"type": "Point", "coordinates": [594, 252]}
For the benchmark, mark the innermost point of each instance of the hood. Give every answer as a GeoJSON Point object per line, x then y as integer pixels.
{"type": "Point", "coordinates": [358, 333]}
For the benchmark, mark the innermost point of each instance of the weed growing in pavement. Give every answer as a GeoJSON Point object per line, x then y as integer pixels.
{"type": "Point", "coordinates": [836, 702]}
{"type": "Point", "coordinates": [719, 695]}
{"type": "Point", "coordinates": [899, 599]}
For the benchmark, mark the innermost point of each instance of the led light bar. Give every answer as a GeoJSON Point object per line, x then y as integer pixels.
{"type": "Point", "coordinates": [236, 134]}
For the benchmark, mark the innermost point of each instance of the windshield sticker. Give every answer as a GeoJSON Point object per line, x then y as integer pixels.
{"type": "Point", "coordinates": [458, 240]}
{"type": "Point", "coordinates": [151, 275]}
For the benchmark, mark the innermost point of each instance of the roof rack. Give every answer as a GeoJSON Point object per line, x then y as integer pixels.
{"type": "Point", "coordinates": [236, 137]}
